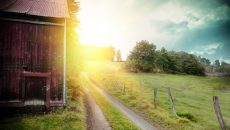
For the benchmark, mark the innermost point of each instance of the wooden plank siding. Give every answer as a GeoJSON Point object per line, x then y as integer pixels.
{"type": "Point", "coordinates": [26, 47]}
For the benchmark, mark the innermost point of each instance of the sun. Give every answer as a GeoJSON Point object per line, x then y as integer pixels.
{"type": "Point", "coordinates": [95, 28]}
{"type": "Point", "coordinates": [95, 32]}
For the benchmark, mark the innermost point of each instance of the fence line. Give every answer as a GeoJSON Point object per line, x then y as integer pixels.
{"type": "Point", "coordinates": [215, 101]}
{"type": "Point", "coordinates": [123, 90]}
{"type": "Point", "coordinates": [131, 88]}
{"type": "Point", "coordinates": [155, 98]}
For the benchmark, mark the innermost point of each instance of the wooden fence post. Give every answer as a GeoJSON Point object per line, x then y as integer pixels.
{"type": "Point", "coordinates": [155, 98]}
{"type": "Point", "coordinates": [140, 88]}
{"type": "Point", "coordinates": [218, 113]}
{"type": "Point", "coordinates": [171, 102]}
{"type": "Point", "coordinates": [115, 86]}
{"type": "Point", "coordinates": [131, 88]}
{"type": "Point", "coordinates": [123, 90]}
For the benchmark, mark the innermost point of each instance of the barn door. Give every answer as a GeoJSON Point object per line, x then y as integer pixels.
{"type": "Point", "coordinates": [36, 88]}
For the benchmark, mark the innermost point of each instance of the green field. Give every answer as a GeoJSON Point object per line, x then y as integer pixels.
{"type": "Point", "coordinates": [192, 95]}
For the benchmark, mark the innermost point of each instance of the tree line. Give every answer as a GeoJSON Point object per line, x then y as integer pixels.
{"type": "Point", "coordinates": [217, 67]}
{"type": "Point", "coordinates": [97, 53]}
{"type": "Point", "coordinates": [145, 58]}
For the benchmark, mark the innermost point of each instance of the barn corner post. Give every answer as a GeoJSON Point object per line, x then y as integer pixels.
{"type": "Point", "coordinates": [64, 74]}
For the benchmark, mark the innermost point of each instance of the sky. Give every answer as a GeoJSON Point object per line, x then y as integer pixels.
{"type": "Point", "coordinates": [200, 27]}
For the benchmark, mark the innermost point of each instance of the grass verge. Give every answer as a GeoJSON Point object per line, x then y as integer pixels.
{"type": "Point", "coordinates": [70, 118]}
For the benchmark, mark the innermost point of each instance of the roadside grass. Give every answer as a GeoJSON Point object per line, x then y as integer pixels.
{"type": "Point", "coordinates": [70, 118]}
{"type": "Point", "coordinates": [192, 95]}
{"type": "Point", "coordinates": [115, 118]}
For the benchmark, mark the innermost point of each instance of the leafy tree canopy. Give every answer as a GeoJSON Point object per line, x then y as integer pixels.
{"type": "Point", "coordinates": [144, 57]}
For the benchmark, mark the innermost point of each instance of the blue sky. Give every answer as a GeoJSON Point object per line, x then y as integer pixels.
{"type": "Point", "coordinates": [201, 27]}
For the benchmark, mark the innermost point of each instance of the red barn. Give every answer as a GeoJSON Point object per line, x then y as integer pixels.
{"type": "Point", "coordinates": [32, 52]}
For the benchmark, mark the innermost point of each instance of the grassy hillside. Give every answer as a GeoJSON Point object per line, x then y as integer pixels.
{"type": "Point", "coordinates": [192, 95]}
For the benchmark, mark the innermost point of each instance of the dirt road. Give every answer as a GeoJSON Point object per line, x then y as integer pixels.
{"type": "Point", "coordinates": [139, 121]}
{"type": "Point", "coordinates": [95, 118]}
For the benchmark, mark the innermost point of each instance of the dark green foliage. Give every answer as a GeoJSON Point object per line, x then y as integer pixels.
{"type": "Point", "coordinates": [191, 65]}
{"type": "Point", "coordinates": [217, 65]}
{"type": "Point", "coordinates": [145, 58]}
{"type": "Point", "coordinates": [204, 61]}
{"type": "Point", "coordinates": [225, 67]}
{"type": "Point", "coordinates": [187, 115]}
{"type": "Point", "coordinates": [142, 58]}
{"type": "Point", "coordinates": [165, 61]}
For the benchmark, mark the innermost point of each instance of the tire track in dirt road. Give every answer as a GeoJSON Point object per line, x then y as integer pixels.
{"type": "Point", "coordinates": [138, 120]}
{"type": "Point", "coordinates": [95, 118]}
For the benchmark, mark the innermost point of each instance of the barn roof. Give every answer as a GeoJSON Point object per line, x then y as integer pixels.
{"type": "Point", "coordinates": [46, 8]}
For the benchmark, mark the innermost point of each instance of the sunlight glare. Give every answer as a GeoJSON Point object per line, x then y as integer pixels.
{"type": "Point", "coordinates": [95, 29]}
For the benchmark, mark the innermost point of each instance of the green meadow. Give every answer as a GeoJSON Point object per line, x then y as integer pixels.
{"type": "Point", "coordinates": [193, 95]}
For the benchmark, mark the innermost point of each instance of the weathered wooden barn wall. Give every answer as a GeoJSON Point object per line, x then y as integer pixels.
{"type": "Point", "coordinates": [32, 48]}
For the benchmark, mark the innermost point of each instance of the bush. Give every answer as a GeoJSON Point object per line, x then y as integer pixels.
{"type": "Point", "coordinates": [187, 116]}
{"type": "Point", "coordinates": [74, 88]}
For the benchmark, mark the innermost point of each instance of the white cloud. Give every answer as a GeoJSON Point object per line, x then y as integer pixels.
{"type": "Point", "coordinates": [122, 23]}
{"type": "Point", "coordinates": [206, 49]}
{"type": "Point", "coordinates": [209, 47]}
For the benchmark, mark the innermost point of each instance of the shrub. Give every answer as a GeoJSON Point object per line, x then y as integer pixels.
{"type": "Point", "coordinates": [74, 88]}
{"type": "Point", "coordinates": [187, 116]}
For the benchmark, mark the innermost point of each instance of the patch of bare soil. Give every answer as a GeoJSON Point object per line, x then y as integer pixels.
{"type": "Point", "coordinates": [95, 118]}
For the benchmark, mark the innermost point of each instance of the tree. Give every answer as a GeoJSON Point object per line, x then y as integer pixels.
{"type": "Point", "coordinates": [191, 65]}
{"type": "Point", "coordinates": [110, 52]}
{"type": "Point", "coordinates": [142, 56]}
{"type": "Point", "coordinates": [216, 65]}
{"type": "Point", "coordinates": [204, 61]}
{"type": "Point", "coordinates": [93, 52]}
{"type": "Point", "coordinates": [225, 67]}
{"type": "Point", "coordinates": [162, 60]}
{"type": "Point", "coordinates": [73, 60]}
{"type": "Point", "coordinates": [118, 55]}
{"type": "Point", "coordinates": [167, 62]}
